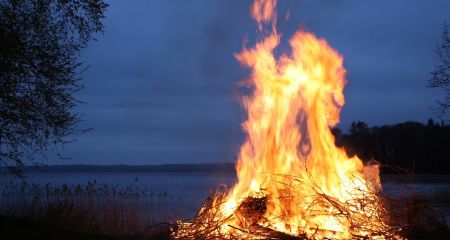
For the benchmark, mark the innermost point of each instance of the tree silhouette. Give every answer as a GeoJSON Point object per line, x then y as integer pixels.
{"type": "Point", "coordinates": [422, 148]}
{"type": "Point", "coordinates": [440, 77]}
{"type": "Point", "coordinates": [40, 41]}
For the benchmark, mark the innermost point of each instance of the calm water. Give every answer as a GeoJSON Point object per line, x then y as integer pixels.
{"type": "Point", "coordinates": [191, 188]}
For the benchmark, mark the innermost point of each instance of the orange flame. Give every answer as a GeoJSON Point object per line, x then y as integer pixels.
{"type": "Point", "coordinates": [296, 99]}
{"type": "Point", "coordinates": [264, 11]}
{"type": "Point", "coordinates": [289, 157]}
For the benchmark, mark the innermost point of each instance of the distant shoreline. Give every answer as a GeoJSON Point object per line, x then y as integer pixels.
{"type": "Point", "coordinates": [213, 168]}
{"type": "Point", "coordinates": [204, 167]}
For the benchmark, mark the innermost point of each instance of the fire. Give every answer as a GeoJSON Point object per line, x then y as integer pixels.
{"type": "Point", "coordinates": [292, 179]}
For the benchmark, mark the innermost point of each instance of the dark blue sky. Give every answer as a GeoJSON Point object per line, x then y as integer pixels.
{"type": "Point", "coordinates": [162, 87]}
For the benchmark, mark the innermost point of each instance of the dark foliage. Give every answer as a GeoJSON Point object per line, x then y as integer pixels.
{"type": "Point", "coordinates": [406, 146]}
{"type": "Point", "coordinates": [40, 41]}
{"type": "Point", "coordinates": [420, 219]}
{"type": "Point", "coordinates": [440, 76]}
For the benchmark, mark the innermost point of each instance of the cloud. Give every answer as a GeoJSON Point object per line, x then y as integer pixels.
{"type": "Point", "coordinates": [163, 80]}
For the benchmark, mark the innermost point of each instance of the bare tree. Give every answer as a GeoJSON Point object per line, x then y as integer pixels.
{"type": "Point", "coordinates": [40, 41]}
{"type": "Point", "coordinates": [440, 76]}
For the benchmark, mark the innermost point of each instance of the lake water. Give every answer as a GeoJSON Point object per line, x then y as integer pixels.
{"type": "Point", "coordinates": [191, 188]}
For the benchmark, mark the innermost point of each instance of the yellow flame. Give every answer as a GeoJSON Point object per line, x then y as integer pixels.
{"type": "Point", "coordinates": [289, 162]}
{"type": "Point", "coordinates": [296, 99]}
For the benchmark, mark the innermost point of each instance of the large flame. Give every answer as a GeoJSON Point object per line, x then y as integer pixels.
{"type": "Point", "coordinates": [309, 186]}
{"type": "Point", "coordinates": [295, 101]}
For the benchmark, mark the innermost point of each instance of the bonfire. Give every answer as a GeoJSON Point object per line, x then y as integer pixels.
{"type": "Point", "coordinates": [293, 182]}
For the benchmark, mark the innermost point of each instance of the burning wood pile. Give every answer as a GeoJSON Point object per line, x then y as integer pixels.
{"type": "Point", "coordinates": [293, 182]}
{"type": "Point", "coordinates": [251, 221]}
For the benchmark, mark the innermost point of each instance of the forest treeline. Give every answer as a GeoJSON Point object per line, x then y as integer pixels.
{"type": "Point", "coordinates": [408, 146]}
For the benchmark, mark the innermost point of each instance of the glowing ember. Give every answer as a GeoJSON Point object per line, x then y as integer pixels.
{"type": "Point", "coordinates": [292, 179]}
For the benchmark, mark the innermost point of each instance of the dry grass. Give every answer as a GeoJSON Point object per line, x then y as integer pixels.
{"type": "Point", "coordinates": [95, 208]}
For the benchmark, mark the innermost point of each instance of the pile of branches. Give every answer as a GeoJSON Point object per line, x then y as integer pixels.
{"type": "Point", "coordinates": [251, 223]}
{"type": "Point", "coordinates": [208, 221]}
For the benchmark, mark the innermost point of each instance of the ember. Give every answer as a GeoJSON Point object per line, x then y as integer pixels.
{"type": "Point", "coordinates": [293, 182]}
